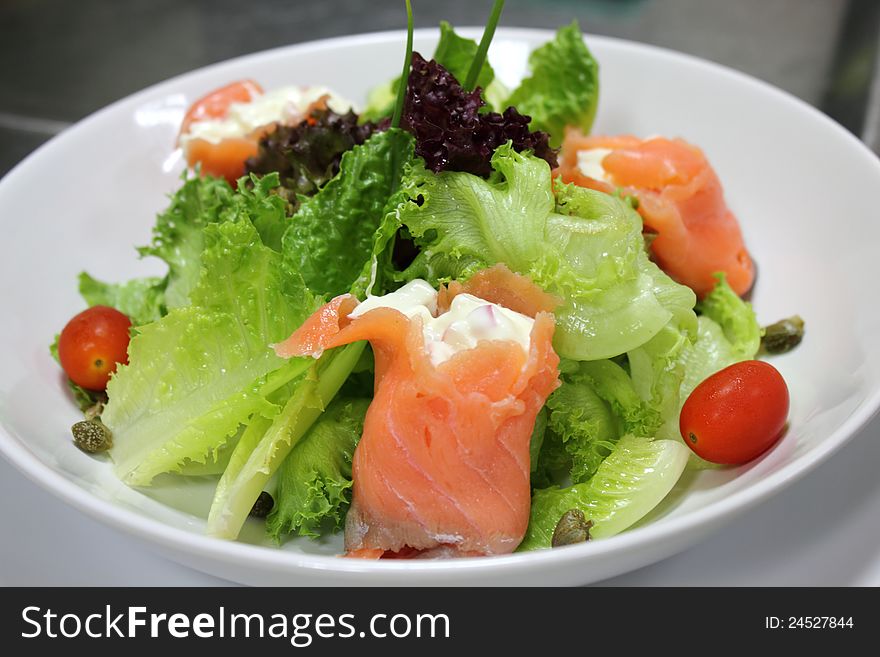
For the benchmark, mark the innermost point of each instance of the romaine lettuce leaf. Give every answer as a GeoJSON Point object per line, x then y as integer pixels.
{"type": "Point", "coordinates": [331, 235]}
{"type": "Point", "coordinates": [563, 88]}
{"type": "Point", "coordinates": [315, 478]}
{"type": "Point", "coordinates": [204, 369]}
{"type": "Point", "coordinates": [583, 245]}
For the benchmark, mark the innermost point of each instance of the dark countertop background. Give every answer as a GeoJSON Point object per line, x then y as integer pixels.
{"type": "Point", "coordinates": [63, 59]}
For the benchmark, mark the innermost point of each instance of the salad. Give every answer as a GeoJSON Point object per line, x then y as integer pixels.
{"type": "Point", "coordinates": [453, 323]}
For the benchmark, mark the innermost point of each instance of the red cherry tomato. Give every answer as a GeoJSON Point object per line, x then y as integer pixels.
{"type": "Point", "coordinates": [736, 414]}
{"type": "Point", "coordinates": [91, 345]}
{"type": "Point", "coordinates": [224, 160]}
{"type": "Point", "coordinates": [216, 104]}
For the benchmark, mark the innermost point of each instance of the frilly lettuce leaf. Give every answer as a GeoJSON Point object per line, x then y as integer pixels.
{"type": "Point", "coordinates": [735, 317]}
{"type": "Point", "coordinates": [314, 481]}
{"type": "Point", "coordinates": [204, 369]}
{"type": "Point", "coordinates": [657, 371]}
{"type": "Point", "coordinates": [563, 88]}
{"type": "Point", "coordinates": [727, 332]}
{"type": "Point", "coordinates": [585, 425]}
{"type": "Point", "coordinates": [331, 235]}
{"type": "Point", "coordinates": [177, 235]}
{"type": "Point", "coordinates": [464, 223]}
{"type": "Point", "coordinates": [583, 245]}
{"type": "Point", "coordinates": [178, 240]}
{"type": "Point", "coordinates": [141, 299]}
{"type": "Point", "coordinates": [599, 401]}
{"type": "Point", "coordinates": [257, 202]}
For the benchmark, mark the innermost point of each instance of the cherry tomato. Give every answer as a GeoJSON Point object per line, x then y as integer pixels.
{"type": "Point", "coordinates": [216, 104]}
{"type": "Point", "coordinates": [736, 414]}
{"type": "Point", "coordinates": [224, 160]}
{"type": "Point", "coordinates": [91, 345]}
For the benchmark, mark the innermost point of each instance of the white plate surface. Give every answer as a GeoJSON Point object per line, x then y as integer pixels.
{"type": "Point", "coordinates": [800, 184]}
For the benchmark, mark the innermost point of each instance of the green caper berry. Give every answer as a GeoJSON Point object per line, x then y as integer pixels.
{"type": "Point", "coordinates": [263, 505]}
{"type": "Point", "coordinates": [91, 436]}
{"type": "Point", "coordinates": [783, 336]}
{"type": "Point", "coordinates": [573, 527]}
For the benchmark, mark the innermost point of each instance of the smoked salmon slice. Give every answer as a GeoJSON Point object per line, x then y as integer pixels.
{"type": "Point", "coordinates": [680, 199]}
{"type": "Point", "coordinates": [500, 285]}
{"type": "Point", "coordinates": [442, 468]}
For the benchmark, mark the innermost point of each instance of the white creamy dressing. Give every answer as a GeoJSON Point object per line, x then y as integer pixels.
{"type": "Point", "coordinates": [469, 319]}
{"type": "Point", "coordinates": [285, 105]}
{"type": "Point", "coordinates": [590, 163]}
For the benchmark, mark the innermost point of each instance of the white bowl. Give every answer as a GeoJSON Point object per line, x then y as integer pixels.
{"type": "Point", "coordinates": [801, 185]}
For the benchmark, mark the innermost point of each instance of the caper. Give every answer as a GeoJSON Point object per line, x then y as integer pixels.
{"type": "Point", "coordinates": [573, 527]}
{"type": "Point", "coordinates": [783, 336]}
{"type": "Point", "coordinates": [262, 506]}
{"type": "Point", "coordinates": [92, 436]}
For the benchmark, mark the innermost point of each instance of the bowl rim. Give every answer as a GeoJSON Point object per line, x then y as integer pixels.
{"type": "Point", "coordinates": [159, 533]}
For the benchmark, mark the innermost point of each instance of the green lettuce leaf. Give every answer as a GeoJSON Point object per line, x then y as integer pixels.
{"type": "Point", "coordinates": [141, 299]}
{"type": "Point", "coordinates": [628, 484]}
{"type": "Point", "coordinates": [332, 234]}
{"type": "Point", "coordinates": [657, 369]}
{"type": "Point", "coordinates": [583, 245]}
{"type": "Point", "coordinates": [616, 299]}
{"type": "Point", "coordinates": [735, 317]}
{"type": "Point", "coordinates": [727, 332]}
{"type": "Point", "coordinates": [597, 403]}
{"type": "Point", "coordinates": [177, 235]}
{"type": "Point", "coordinates": [553, 463]}
{"type": "Point", "coordinates": [257, 202]}
{"type": "Point", "coordinates": [204, 369]}
{"type": "Point", "coordinates": [585, 424]}
{"type": "Point", "coordinates": [178, 241]}
{"type": "Point", "coordinates": [315, 479]}
{"type": "Point", "coordinates": [266, 444]}
{"type": "Point", "coordinates": [563, 88]}
{"type": "Point", "coordinates": [455, 53]}
{"type": "Point", "coordinates": [536, 442]}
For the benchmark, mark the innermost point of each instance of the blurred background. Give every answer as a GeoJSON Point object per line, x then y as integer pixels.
{"type": "Point", "coordinates": [63, 59]}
